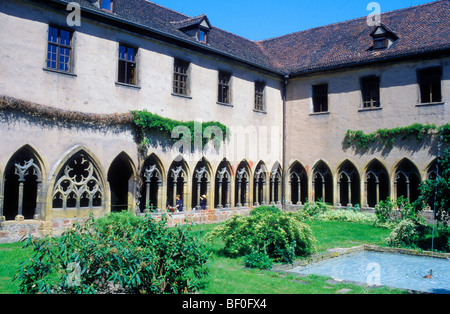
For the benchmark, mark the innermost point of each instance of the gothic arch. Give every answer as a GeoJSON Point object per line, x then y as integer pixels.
{"type": "Point", "coordinates": [376, 183]}
{"type": "Point", "coordinates": [152, 184]}
{"type": "Point", "coordinates": [276, 182]}
{"type": "Point", "coordinates": [223, 185]}
{"type": "Point", "coordinates": [297, 187]}
{"type": "Point", "coordinates": [78, 182]}
{"type": "Point", "coordinates": [201, 183]}
{"type": "Point", "coordinates": [121, 178]}
{"type": "Point", "coordinates": [322, 182]}
{"type": "Point", "coordinates": [406, 180]}
{"type": "Point", "coordinates": [242, 182]}
{"type": "Point", "coordinates": [348, 185]}
{"type": "Point", "coordinates": [23, 185]}
{"type": "Point", "coordinates": [178, 179]}
{"type": "Point", "coordinates": [261, 183]}
{"type": "Point", "coordinates": [432, 170]}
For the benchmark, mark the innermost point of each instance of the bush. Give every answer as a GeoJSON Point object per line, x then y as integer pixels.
{"type": "Point", "coordinates": [119, 254]}
{"type": "Point", "coordinates": [265, 210]}
{"type": "Point", "coordinates": [280, 236]}
{"type": "Point", "coordinates": [311, 210]}
{"type": "Point", "coordinates": [347, 216]}
{"type": "Point", "coordinates": [408, 233]}
{"type": "Point", "coordinates": [415, 234]}
{"type": "Point", "coordinates": [395, 211]}
{"type": "Point", "coordinates": [258, 260]}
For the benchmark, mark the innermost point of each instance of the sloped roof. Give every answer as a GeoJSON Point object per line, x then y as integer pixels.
{"type": "Point", "coordinates": [421, 29]}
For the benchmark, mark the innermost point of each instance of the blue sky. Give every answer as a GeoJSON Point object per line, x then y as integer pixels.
{"type": "Point", "coordinates": [263, 19]}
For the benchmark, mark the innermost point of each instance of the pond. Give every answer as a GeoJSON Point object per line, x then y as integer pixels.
{"type": "Point", "coordinates": [386, 269]}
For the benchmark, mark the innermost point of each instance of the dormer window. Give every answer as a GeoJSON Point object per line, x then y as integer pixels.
{"type": "Point", "coordinates": [383, 37]}
{"type": "Point", "coordinates": [196, 27]}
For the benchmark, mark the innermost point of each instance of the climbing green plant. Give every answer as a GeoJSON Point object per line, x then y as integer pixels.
{"type": "Point", "coordinates": [389, 137]}
{"type": "Point", "coordinates": [145, 122]}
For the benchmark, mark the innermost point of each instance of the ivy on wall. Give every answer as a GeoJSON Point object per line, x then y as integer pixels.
{"type": "Point", "coordinates": [145, 121]}
{"type": "Point", "coordinates": [388, 137]}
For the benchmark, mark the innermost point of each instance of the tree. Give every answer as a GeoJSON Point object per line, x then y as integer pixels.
{"type": "Point", "coordinates": [436, 192]}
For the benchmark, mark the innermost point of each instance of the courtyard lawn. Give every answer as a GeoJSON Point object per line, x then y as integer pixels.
{"type": "Point", "coordinates": [229, 276]}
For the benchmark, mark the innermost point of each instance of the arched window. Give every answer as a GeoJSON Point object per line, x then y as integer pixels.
{"type": "Point", "coordinates": [23, 181]}
{"type": "Point", "coordinates": [78, 184]}
{"type": "Point", "coordinates": [201, 183]}
{"type": "Point", "coordinates": [407, 181]}
{"type": "Point", "coordinates": [376, 184]}
{"type": "Point", "coordinates": [177, 180]}
{"type": "Point", "coordinates": [243, 185]}
{"type": "Point", "coordinates": [323, 183]}
{"type": "Point", "coordinates": [275, 185]}
{"type": "Point", "coordinates": [348, 185]}
{"type": "Point", "coordinates": [223, 186]}
{"type": "Point", "coordinates": [120, 178]}
{"type": "Point", "coordinates": [260, 184]}
{"type": "Point", "coordinates": [152, 185]}
{"type": "Point", "coordinates": [297, 189]}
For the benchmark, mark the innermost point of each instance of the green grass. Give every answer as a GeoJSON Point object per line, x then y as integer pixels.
{"type": "Point", "coordinates": [11, 255]}
{"type": "Point", "coordinates": [229, 276]}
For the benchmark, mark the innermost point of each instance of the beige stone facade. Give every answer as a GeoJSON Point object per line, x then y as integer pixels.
{"type": "Point", "coordinates": [71, 169]}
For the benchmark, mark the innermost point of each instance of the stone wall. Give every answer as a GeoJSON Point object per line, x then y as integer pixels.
{"type": "Point", "coordinates": [16, 231]}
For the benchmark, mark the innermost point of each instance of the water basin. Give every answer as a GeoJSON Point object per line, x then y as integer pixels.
{"type": "Point", "coordinates": [386, 269]}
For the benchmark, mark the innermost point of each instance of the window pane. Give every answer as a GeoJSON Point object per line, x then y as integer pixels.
{"type": "Point", "coordinates": [122, 52]}
{"type": "Point", "coordinates": [430, 85]}
{"type": "Point", "coordinates": [53, 35]}
{"type": "Point", "coordinates": [65, 38]}
{"type": "Point", "coordinates": [122, 71]}
{"type": "Point", "coordinates": [131, 73]}
{"type": "Point", "coordinates": [320, 98]}
{"type": "Point", "coordinates": [106, 4]}
{"type": "Point", "coordinates": [130, 54]}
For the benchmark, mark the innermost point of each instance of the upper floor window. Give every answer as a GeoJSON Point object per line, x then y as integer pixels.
{"type": "Point", "coordinates": [202, 35]}
{"type": "Point", "coordinates": [224, 88]}
{"type": "Point", "coordinates": [430, 85]}
{"type": "Point", "coordinates": [259, 96]}
{"type": "Point", "coordinates": [370, 91]}
{"type": "Point", "coordinates": [320, 98]}
{"type": "Point", "coordinates": [181, 77]}
{"type": "Point", "coordinates": [107, 5]}
{"type": "Point", "coordinates": [59, 49]}
{"type": "Point", "coordinates": [127, 65]}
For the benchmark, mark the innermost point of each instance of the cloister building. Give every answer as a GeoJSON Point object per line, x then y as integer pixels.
{"type": "Point", "coordinates": [73, 75]}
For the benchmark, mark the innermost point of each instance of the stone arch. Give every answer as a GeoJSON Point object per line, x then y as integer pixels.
{"type": "Point", "coordinates": [242, 183]}
{"type": "Point", "coordinates": [152, 184]}
{"type": "Point", "coordinates": [121, 178]}
{"type": "Point", "coordinates": [276, 182]}
{"type": "Point", "coordinates": [201, 184]}
{"type": "Point", "coordinates": [406, 180]}
{"type": "Point", "coordinates": [433, 170]}
{"type": "Point", "coordinates": [178, 183]}
{"type": "Point", "coordinates": [261, 181]}
{"type": "Point", "coordinates": [297, 188]}
{"type": "Point", "coordinates": [223, 185]}
{"type": "Point", "coordinates": [376, 184]}
{"type": "Point", "coordinates": [348, 185]}
{"type": "Point", "coordinates": [322, 183]}
{"type": "Point", "coordinates": [79, 182]}
{"type": "Point", "coordinates": [23, 178]}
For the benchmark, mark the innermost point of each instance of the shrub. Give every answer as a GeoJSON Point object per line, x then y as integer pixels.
{"type": "Point", "coordinates": [347, 216]}
{"type": "Point", "coordinates": [258, 260]}
{"type": "Point", "coordinates": [310, 210]}
{"type": "Point", "coordinates": [280, 236]}
{"type": "Point", "coordinates": [395, 211]}
{"type": "Point", "coordinates": [121, 253]}
{"type": "Point", "coordinates": [265, 210]}
{"type": "Point", "coordinates": [408, 233]}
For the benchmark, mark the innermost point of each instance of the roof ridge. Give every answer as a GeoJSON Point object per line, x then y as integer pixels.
{"type": "Point", "coordinates": [355, 19]}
